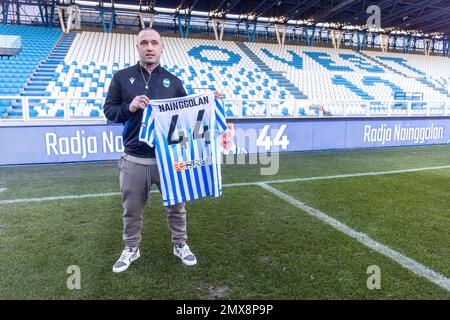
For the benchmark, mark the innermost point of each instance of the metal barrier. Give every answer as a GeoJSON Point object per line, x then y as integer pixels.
{"type": "Point", "coordinates": [28, 110]}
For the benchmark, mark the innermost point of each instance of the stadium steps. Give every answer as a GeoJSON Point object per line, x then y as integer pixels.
{"type": "Point", "coordinates": [419, 79]}
{"type": "Point", "coordinates": [282, 81]}
{"type": "Point", "coordinates": [384, 65]}
{"type": "Point", "coordinates": [45, 70]}
{"type": "Point", "coordinates": [432, 86]}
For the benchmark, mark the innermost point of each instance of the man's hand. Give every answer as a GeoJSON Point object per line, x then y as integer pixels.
{"type": "Point", "coordinates": [218, 94]}
{"type": "Point", "coordinates": [139, 102]}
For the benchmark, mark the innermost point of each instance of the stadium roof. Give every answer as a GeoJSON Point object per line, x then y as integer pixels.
{"type": "Point", "coordinates": [426, 15]}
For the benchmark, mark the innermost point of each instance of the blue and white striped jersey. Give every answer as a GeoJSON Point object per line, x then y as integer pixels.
{"type": "Point", "coordinates": [185, 133]}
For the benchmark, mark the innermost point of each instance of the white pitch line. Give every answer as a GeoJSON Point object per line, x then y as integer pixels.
{"type": "Point", "coordinates": [81, 196]}
{"type": "Point", "coordinates": [407, 263]}
{"type": "Point", "coordinates": [339, 176]}
{"type": "Point", "coordinates": [363, 174]}
{"type": "Point", "coordinates": [239, 184]}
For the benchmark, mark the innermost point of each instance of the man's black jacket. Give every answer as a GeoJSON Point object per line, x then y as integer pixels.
{"type": "Point", "coordinates": [125, 85]}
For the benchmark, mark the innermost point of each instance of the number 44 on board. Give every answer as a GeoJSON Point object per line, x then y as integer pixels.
{"type": "Point", "coordinates": [265, 140]}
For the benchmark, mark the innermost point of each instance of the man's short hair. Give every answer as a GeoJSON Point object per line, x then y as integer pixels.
{"type": "Point", "coordinates": [147, 29]}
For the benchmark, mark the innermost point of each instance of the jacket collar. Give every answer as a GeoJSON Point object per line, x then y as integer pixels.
{"type": "Point", "coordinates": [139, 67]}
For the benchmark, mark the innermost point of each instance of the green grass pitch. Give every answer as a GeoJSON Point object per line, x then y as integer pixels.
{"type": "Point", "coordinates": [250, 243]}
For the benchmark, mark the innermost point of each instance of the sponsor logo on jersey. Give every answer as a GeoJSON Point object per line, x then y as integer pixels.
{"type": "Point", "coordinates": [181, 165]}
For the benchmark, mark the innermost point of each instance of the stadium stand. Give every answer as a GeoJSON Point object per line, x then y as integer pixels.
{"type": "Point", "coordinates": [77, 70]}
{"type": "Point", "coordinates": [326, 74]}
{"type": "Point", "coordinates": [16, 71]}
{"type": "Point", "coordinates": [201, 64]}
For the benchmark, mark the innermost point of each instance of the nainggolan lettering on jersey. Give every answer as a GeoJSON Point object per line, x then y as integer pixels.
{"type": "Point", "coordinates": [183, 104]}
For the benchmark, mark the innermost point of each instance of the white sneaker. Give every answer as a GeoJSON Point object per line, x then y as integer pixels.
{"type": "Point", "coordinates": [126, 258]}
{"type": "Point", "coordinates": [182, 251]}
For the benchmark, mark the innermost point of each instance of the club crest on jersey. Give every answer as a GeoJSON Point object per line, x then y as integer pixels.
{"type": "Point", "coordinates": [132, 80]}
{"type": "Point", "coordinates": [166, 83]}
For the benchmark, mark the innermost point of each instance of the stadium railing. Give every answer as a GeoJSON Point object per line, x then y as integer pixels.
{"type": "Point", "coordinates": [29, 110]}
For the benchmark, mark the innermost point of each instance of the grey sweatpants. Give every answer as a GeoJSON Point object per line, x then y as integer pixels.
{"type": "Point", "coordinates": [135, 182]}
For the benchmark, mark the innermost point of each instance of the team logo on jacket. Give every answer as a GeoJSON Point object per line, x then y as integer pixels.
{"type": "Point", "coordinates": [131, 80]}
{"type": "Point", "coordinates": [166, 83]}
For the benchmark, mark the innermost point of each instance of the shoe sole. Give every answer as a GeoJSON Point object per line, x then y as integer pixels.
{"type": "Point", "coordinates": [118, 270]}
{"type": "Point", "coordinates": [188, 263]}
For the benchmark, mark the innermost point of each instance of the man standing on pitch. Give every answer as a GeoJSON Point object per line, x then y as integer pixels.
{"type": "Point", "coordinates": [129, 94]}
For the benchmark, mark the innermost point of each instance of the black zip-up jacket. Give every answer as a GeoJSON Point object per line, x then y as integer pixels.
{"type": "Point", "coordinates": [125, 85]}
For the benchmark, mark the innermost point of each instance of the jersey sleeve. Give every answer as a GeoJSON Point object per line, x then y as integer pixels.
{"type": "Point", "coordinates": [146, 132]}
{"type": "Point", "coordinates": [220, 117]}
